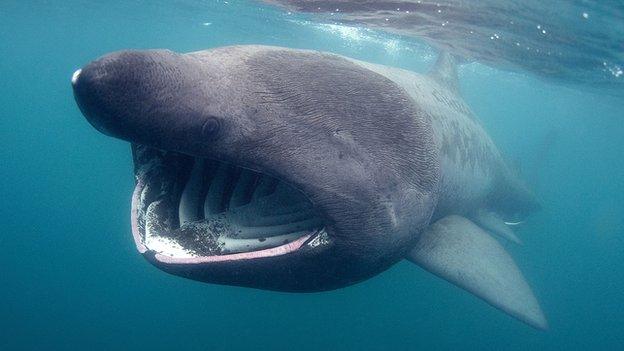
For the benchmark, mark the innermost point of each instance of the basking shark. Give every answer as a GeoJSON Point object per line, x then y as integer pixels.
{"type": "Point", "coordinates": [303, 171]}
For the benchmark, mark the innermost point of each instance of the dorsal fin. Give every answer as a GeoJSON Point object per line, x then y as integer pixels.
{"type": "Point", "coordinates": [444, 71]}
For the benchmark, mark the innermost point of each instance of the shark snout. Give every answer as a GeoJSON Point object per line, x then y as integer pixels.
{"type": "Point", "coordinates": [94, 94]}
{"type": "Point", "coordinates": [119, 92]}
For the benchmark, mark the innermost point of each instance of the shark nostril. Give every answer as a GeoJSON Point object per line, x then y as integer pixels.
{"type": "Point", "coordinates": [210, 128]}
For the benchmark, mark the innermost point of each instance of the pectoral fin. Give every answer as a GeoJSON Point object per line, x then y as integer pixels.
{"type": "Point", "coordinates": [459, 251]}
{"type": "Point", "coordinates": [495, 224]}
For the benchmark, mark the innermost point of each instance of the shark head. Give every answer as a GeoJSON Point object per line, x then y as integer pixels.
{"type": "Point", "coordinates": [265, 167]}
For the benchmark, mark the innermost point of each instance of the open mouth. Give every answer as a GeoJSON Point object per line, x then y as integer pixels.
{"type": "Point", "coordinates": [191, 210]}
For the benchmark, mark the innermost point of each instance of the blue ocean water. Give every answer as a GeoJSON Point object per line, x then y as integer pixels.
{"type": "Point", "coordinates": [70, 275]}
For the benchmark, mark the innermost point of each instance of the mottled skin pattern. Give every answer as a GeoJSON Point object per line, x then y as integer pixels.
{"type": "Point", "coordinates": [474, 174]}
{"type": "Point", "coordinates": [377, 150]}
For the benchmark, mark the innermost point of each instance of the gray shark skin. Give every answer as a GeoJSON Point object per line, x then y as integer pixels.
{"type": "Point", "coordinates": [298, 170]}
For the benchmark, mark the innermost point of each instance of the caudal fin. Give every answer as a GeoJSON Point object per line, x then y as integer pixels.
{"type": "Point", "coordinates": [493, 223]}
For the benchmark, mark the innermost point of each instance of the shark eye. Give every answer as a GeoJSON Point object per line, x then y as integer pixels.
{"type": "Point", "coordinates": [211, 127]}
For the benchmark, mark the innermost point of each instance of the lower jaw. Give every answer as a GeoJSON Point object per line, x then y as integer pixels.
{"type": "Point", "coordinates": [265, 253]}
{"type": "Point", "coordinates": [188, 236]}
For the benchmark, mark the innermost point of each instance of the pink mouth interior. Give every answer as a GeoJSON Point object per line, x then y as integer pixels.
{"type": "Point", "coordinates": [275, 251]}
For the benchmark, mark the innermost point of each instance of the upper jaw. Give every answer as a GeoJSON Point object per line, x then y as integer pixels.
{"type": "Point", "coordinates": [167, 226]}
